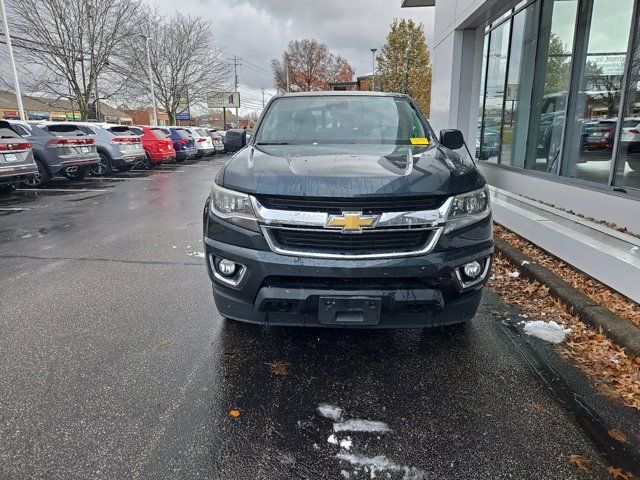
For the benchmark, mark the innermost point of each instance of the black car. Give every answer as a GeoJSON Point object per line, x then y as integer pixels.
{"type": "Point", "coordinates": [345, 210]}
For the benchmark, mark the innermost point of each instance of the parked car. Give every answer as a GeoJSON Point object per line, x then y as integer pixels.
{"type": "Point", "coordinates": [157, 144]}
{"type": "Point", "coordinates": [203, 142]}
{"type": "Point", "coordinates": [16, 157]}
{"type": "Point", "coordinates": [216, 138]}
{"type": "Point", "coordinates": [630, 142]}
{"type": "Point", "coordinates": [599, 135]}
{"type": "Point", "coordinates": [490, 144]}
{"type": "Point", "coordinates": [328, 218]}
{"type": "Point", "coordinates": [58, 149]}
{"type": "Point", "coordinates": [117, 146]}
{"type": "Point", "coordinates": [183, 143]}
{"type": "Point", "coordinates": [235, 139]}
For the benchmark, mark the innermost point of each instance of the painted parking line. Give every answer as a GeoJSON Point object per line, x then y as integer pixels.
{"type": "Point", "coordinates": [54, 190]}
{"type": "Point", "coordinates": [13, 209]}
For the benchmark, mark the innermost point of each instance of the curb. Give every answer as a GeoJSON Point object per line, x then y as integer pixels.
{"type": "Point", "coordinates": [616, 328]}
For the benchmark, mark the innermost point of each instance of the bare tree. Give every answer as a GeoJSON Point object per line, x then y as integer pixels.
{"type": "Point", "coordinates": [186, 64]}
{"type": "Point", "coordinates": [310, 66]}
{"type": "Point", "coordinates": [74, 48]}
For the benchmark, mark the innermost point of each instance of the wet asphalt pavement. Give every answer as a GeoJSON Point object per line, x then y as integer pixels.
{"type": "Point", "coordinates": [115, 364]}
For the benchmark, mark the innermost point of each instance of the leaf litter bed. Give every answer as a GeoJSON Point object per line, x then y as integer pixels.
{"type": "Point", "coordinates": [597, 291]}
{"type": "Point", "coordinates": [614, 372]}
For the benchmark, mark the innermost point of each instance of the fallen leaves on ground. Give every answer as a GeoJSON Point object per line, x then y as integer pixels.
{"type": "Point", "coordinates": [537, 406]}
{"type": "Point", "coordinates": [581, 463]}
{"type": "Point", "coordinates": [597, 291]}
{"type": "Point", "coordinates": [234, 413]}
{"type": "Point", "coordinates": [163, 342]}
{"type": "Point", "coordinates": [619, 473]}
{"type": "Point", "coordinates": [614, 372]}
{"type": "Point", "coordinates": [279, 368]}
{"type": "Point", "coordinates": [618, 435]}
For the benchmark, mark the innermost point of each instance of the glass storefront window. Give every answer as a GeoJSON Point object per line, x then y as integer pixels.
{"type": "Point", "coordinates": [485, 49]}
{"type": "Point", "coordinates": [590, 138]}
{"type": "Point", "coordinates": [524, 34]}
{"type": "Point", "coordinates": [553, 78]}
{"type": "Point", "coordinates": [494, 95]}
{"type": "Point", "coordinates": [551, 84]}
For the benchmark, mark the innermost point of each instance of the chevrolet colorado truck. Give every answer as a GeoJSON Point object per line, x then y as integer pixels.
{"type": "Point", "coordinates": [345, 210]}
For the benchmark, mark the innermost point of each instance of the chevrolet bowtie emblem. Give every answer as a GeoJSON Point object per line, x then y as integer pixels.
{"type": "Point", "coordinates": [351, 222]}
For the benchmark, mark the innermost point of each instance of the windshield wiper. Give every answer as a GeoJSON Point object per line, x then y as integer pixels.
{"type": "Point", "coordinates": [272, 143]}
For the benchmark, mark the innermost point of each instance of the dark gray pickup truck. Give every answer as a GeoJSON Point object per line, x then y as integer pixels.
{"type": "Point", "coordinates": [345, 210]}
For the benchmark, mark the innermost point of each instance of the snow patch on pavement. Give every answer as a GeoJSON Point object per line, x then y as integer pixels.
{"type": "Point", "coordinates": [330, 411]}
{"type": "Point", "coordinates": [357, 425]}
{"type": "Point", "coordinates": [514, 274]}
{"type": "Point", "coordinates": [346, 443]}
{"type": "Point", "coordinates": [549, 331]}
{"type": "Point", "coordinates": [196, 254]}
{"type": "Point", "coordinates": [381, 464]}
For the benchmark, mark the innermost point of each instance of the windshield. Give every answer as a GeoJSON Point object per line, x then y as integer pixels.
{"type": "Point", "coordinates": [342, 119]}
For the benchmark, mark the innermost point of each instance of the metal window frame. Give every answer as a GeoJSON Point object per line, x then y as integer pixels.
{"type": "Point", "coordinates": [505, 85]}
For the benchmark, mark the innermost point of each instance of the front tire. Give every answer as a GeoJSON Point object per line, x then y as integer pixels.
{"type": "Point", "coordinates": [39, 179]}
{"type": "Point", "coordinates": [102, 168]}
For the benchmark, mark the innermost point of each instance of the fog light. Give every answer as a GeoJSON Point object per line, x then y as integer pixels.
{"type": "Point", "coordinates": [472, 269]}
{"type": "Point", "coordinates": [226, 267]}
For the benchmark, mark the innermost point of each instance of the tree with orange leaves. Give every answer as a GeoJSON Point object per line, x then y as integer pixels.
{"type": "Point", "coordinates": [311, 67]}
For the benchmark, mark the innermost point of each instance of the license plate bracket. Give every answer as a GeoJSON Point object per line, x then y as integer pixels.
{"type": "Point", "coordinates": [349, 310]}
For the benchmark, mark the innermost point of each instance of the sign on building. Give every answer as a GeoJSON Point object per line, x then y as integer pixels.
{"type": "Point", "coordinates": [183, 117]}
{"type": "Point", "coordinates": [223, 100]}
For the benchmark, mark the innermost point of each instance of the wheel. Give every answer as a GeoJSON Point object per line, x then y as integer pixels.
{"type": "Point", "coordinates": [125, 168]}
{"type": "Point", "coordinates": [102, 168]}
{"type": "Point", "coordinates": [79, 174]}
{"type": "Point", "coordinates": [634, 165]}
{"type": "Point", "coordinates": [40, 178]}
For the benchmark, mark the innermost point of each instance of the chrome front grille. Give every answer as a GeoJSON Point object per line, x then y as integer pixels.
{"type": "Point", "coordinates": [310, 234]}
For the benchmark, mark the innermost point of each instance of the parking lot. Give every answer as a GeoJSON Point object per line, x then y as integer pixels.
{"type": "Point", "coordinates": [115, 363]}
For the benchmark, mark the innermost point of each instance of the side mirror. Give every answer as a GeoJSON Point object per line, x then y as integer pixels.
{"type": "Point", "coordinates": [452, 139]}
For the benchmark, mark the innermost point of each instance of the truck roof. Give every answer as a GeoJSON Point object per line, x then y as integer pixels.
{"type": "Point", "coordinates": [341, 93]}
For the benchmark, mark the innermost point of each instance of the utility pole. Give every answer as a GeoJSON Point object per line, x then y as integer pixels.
{"type": "Point", "coordinates": [287, 65]}
{"type": "Point", "coordinates": [153, 93]}
{"type": "Point", "coordinates": [12, 60]}
{"type": "Point", "coordinates": [235, 75]}
{"type": "Point", "coordinates": [373, 70]}
{"type": "Point", "coordinates": [263, 98]}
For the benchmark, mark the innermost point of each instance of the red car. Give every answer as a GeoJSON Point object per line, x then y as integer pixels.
{"type": "Point", "coordinates": [157, 144]}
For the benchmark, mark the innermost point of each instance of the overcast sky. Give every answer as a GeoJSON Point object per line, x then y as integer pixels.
{"type": "Point", "coordinates": [259, 30]}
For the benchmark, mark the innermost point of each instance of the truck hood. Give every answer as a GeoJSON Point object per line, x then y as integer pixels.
{"type": "Point", "coordinates": [350, 171]}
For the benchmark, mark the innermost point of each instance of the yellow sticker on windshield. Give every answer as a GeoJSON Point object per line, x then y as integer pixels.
{"type": "Point", "coordinates": [419, 141]}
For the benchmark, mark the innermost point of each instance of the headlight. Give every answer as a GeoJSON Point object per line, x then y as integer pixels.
{"type": "Point", "coordinates": [233, 206]}
{"type": "Point", "coordinates": [468, 208]}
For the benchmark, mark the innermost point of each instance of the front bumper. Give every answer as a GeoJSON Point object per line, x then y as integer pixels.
{"type": "Point", "coordinates": [417, 291]}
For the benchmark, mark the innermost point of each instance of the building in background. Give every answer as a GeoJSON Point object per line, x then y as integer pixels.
{"type": "Point", "coordinates": [362, 83]}
{"type": "Point", "coordinates": [144, 116]}
{"type": "Point", "coordinates": [43, 108]}
{"type": "Point", "coordinates": [547, 94]}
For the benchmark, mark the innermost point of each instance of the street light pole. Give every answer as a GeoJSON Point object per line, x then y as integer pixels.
{"type": "Point", "coordinates": [153, 93]}
{"type": "Point", "coordinates": [373, 69]}
{"type": "Point", "coordinates": [12, 61]}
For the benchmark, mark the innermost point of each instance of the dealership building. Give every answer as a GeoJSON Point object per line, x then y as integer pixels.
{"type": "Point", "coordinates": [547, 94]}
